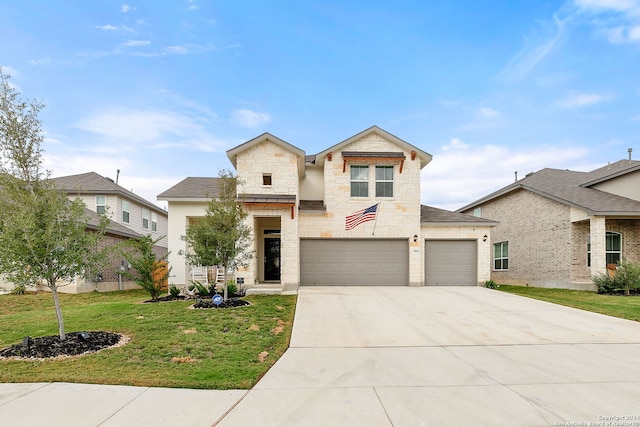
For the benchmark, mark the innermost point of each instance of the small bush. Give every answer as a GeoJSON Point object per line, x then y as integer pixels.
{"type": "Point", "coordinates": [491, 284]}
{"type": "Point", "coordinates": [201, 289]}
{"type": "Point", "coordinates": [232, 289]}
{"type": "Point", "coordinates": [174, 291]}
{"type": "Point", "coordinates": [626, 280]}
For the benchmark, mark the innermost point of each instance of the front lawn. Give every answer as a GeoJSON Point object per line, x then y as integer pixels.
{"type": "Point", "coordinates": [170, 345]}
{"type": "Point", "coordinates": [625, 307]}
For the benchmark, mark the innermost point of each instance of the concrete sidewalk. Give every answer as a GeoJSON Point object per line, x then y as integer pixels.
{"type": "Point", "coordinates": [90, 405]}
{"type": "Point", "coordinates": [370, 356]}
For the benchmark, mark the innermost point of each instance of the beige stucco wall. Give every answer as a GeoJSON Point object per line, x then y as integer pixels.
{"type": "Point", "coordinates": [625, 186]}
{"type": "Point", "coordinates": [312, 184]}
{"type": "Point", "coordinates": [179, 214]}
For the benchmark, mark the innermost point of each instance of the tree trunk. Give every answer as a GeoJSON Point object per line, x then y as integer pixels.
{"type": "Point", "coordinates": [56, 302]}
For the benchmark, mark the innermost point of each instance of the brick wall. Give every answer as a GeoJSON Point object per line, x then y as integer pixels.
{"type": "Point", "coordinates": [539, 233]}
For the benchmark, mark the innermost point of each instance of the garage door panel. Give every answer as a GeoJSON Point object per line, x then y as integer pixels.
{"type": "Point", "coordinates": [451, 262]}
{"type": "Point", "coordinates": [354, 262]}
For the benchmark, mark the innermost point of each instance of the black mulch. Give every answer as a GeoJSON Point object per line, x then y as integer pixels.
{"type": "Point", "coordinates": [76, 343]}
{"type": "Point", "coordinates": [225, 304]}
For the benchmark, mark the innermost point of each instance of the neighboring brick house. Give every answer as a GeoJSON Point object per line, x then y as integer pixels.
{"type": "Point", "coordinates": [130, 216]}
{"type": "Point", "coordinates": [298, 207]}
{"type": "Point", "coordinates": [559, 227]}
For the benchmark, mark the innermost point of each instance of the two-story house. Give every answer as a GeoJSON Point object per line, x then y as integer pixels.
{"type": "Point", "coordinates": [349, 215]}
{"type": "Point", "coordinates": [131, 216]}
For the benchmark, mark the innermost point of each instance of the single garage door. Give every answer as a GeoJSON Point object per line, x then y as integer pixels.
{"type": "Point", "coordinates": [354, 262]}
{"type": "Point", "coordinates": [451, 262]}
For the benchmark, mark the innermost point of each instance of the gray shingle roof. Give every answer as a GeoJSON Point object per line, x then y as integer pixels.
{"type": "Point", "coordinates": [92, 183]}
{"type": "Point", "coordinates": [192, 188]}
{"type": "Point", "coordinates": [112, 228]}
{"type": "Point", "coordinates": [432, 215]}
{"type": "Point", "coordinates": [570, 187]}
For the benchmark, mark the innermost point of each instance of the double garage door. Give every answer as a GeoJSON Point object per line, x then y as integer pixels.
{"type": "Point", "coordinates": [354, 262]}
{"type": "Point", "coordinates": [385, 262]}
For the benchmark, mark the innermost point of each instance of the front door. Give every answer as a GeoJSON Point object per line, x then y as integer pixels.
{"type": "Point", "coordinates": [271, 258]}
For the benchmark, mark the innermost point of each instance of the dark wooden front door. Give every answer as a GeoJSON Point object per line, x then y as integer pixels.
{"type": "Point", "coordinates": [271, 258]}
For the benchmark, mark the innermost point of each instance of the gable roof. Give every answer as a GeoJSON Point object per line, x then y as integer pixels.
{"type": "Point", "coordinates": [192, 189]}
{"type": "Point", "coordinates": [610, 171]}
{"type": "Point", "coordinates": [233, 153]}
{"type": "Point", "coordinates": [92, 183]}
{"type": "Point", "coordinates": [571, 188]}
{"type": "Point", "coordinates": [434, 216]}
{"type": "Point", "coordinates": [425, 157]}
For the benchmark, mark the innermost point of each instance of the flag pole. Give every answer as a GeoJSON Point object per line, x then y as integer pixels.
{"type": "Point", "coordinates": [373, 233]}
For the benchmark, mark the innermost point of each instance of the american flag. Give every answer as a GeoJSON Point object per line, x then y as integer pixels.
{"type": "Point", "coordinates": [358, 217]}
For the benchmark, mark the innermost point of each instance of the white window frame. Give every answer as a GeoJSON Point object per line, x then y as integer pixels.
{"type": "Point", "coordinates": [384, 180]}
{"type": "Point", "coordinates": [358, 180]}
{"type": "Point", "coordinates": [608, 252]}
{"type": "Point", "coordinates": [126, 211]}
{"type": "Point", "coordinates": [154, 221]}
{"type": "Point", "coordinates": [502, 258]}
{"type": "Point", "coordinates": [145, 218]}
{"type": "Point", "coordinates": [101, 204]}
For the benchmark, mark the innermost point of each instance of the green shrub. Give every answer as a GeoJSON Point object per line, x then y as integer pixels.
{"type": "Point", "coordinates": [201, 289]}
{"type": "Point", "coordinates": [174, 291]}
{"type": "Point", "coordinates": [232, 289]}
{"type": "Point", "coordinates": [625, 280]}
{"type": "Point", "coordinates": [491, 284]}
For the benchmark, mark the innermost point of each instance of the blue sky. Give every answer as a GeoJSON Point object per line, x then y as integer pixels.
{"type": "Point", "coordinates": [160, 90]}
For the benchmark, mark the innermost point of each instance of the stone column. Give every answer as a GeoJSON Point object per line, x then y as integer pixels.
{"type": "Point", "coordinates": [598, 244]}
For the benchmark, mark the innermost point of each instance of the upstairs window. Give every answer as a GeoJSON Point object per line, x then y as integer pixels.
{"type": "Point", "coordinates": [126, 211]}
{"type": "Point", "coordinates": [154, 221]}
{"type": "Point", "coordinates": [266, 179]}
{"type": "Point", "coordinates": [501, 256]}
{"type": "Point", "coordinates": [359, 181]}
{"type": "Point", "coordinates": [145, 218]}
{"type": "Point", "coordinates": [384, 181]}
{"type": "Point", "coordinates": [101, 205]}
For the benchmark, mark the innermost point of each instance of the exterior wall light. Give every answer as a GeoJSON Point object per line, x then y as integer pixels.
{"type": "Point", "coordinates": [415, 238]}
{"type": "Point", "coordinates": [484, 238]}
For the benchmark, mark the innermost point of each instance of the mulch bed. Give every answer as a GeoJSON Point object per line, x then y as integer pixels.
{"type": "Point", "coordinates": [230, 303]}
{"type": "Point", "coordinates": [75, 344]}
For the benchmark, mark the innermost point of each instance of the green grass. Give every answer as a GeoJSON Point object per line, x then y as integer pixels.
{"type": "Point", "coordinates": [625, 307]}
{"type": "Point", "coordinates": [217, 346]}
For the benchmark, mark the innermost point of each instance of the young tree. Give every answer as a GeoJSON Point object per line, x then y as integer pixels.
{"type": "Point", "coordinates": [222, 236]}
{"type": "Point", "coordinates": [149, 271]}
{"type": "Point", "coordinates": [43, 235]}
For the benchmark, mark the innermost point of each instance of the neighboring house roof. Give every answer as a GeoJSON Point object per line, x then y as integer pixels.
{"type": "Point", "coordinates": [232, 154]}
{"type": "Point", "coordinates": [434, 216]}
{"type": "Point", "coordinates": [93, 183]}
{"type": "Point", "coordinates": [112, 228]}
{"type": "Point", "coordinates": [572, 188]}
{"type": "Point", "coordinates": [192, 189]}
{"type": "Point", "coordinates": [425, 157]}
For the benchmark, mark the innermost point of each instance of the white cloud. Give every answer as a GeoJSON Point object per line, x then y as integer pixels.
{"type": "Point", "coordinates": [488, 113]}
{"type": "Point", "coordinates": [126, 8]}
{"type": "Point", "coordinates": [125, 129]}
{"type": "Point", "coordinates": [461, 173]}
{"type": "Point", "coordinates": [136, 43]}
{"type": "Point", "coordinates": [537, 46]}
{"type": "Point", "coordinates": [618, 21]}
{"type": "Point", "coordinates": [106, 27]}
{"type": "Point", "coordinates": [582, 100]}
{"type": "Point", "coordinates": [249, 119]}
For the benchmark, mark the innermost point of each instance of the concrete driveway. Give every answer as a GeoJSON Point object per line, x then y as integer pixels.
{"type": "Point", "coordinates": [438, 356]}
